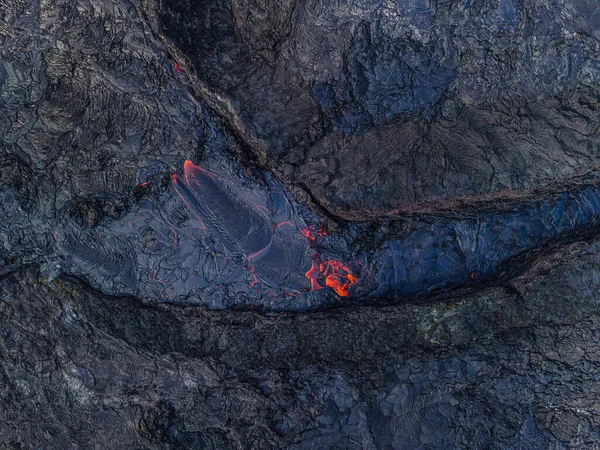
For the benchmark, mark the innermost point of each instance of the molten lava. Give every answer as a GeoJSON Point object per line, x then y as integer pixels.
{"type": "Point", "coordinates": [329, 272]}
{"type": "Point", "coordinates": [338, 277]}
{"type": "Point", "coordinates": [246, 227]}
{"type": "Point", "coordinates": [313, 275]}
{"type": "Point", "coordinates": [314, 234]}
{"type": "Point", "coordinates": [333, 274]}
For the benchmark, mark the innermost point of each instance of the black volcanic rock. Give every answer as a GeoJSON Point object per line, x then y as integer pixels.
{"type": "Point", "coordinates": [511, 366]}
{"type": "Point", "coordinates": [372, 106]}
{"type": "Point", "coordinates": [442, 153]}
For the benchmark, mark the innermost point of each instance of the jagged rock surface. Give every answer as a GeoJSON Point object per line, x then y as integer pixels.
{"type": "Point", "coordinates": [377, 105]}
{"type": "Point", "coordinates": [514, 366]}
{"type": "Point", "coordinates": [362, 109]}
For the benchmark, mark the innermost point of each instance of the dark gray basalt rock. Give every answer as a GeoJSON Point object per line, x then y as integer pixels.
{"type": "Point", "coordinates": [512, 366]}
{"type": "Point", "coordinates": [408, 101]}
{"type": "Point", "coordinates": [439, 155]}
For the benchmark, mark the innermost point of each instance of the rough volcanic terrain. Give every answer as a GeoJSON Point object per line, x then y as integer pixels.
{"type": "Point", "coordinates": [299, 224]}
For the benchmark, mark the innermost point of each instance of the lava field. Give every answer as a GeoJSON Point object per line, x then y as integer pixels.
{"type": "Point", "coordinates": [299, 224]}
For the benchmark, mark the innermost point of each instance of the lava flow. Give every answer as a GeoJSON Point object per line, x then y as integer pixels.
{"type": "Point", "coordinates": [247, 228]}
{"type": "Point", "coordinates": [313, 233]}
{"type": "Point", "coordinates": [332, 273]}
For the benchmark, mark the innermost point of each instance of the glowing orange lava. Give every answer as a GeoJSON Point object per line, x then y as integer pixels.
{"type": "Point", "coordinates": [312, 233]}
{"type": "Point", "coordinates": [329, 272]}
{"type": "Point", "coordinates": [338, 277]}
{"type": "Point", "coordinates": [334, 274]}
{"type": "Point", "coordinates": [323, 273]}
{"type": "Point", "coordinates": [313, 275]}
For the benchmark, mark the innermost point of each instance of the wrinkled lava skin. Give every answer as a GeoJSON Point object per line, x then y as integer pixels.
{"type": "Point", "coordinates": [275, 266]}
{"type": "Point", "coordinates": [436, 159]}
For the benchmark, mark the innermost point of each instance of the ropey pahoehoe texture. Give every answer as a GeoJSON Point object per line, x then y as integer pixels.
{"type": "Point", "coordinates": [283, 156]}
